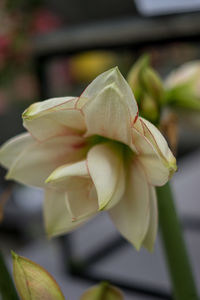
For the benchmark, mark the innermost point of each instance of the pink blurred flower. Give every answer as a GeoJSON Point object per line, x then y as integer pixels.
{"type": "Point", "coordinates": [44, 21]}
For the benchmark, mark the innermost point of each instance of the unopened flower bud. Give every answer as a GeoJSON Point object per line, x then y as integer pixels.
{"type": "Point", "coordinates": [33, 282]}
{"type": "Point", "coordinates": [103, 291]}
{"type": "Point", "coordinates": [134, 76]}
{"type": "Point", "coordinates": [149, 108]}
{"type": "Point", "coordinates": [152, 84]}
{"type": "Point", "coordinates": [147, 88]}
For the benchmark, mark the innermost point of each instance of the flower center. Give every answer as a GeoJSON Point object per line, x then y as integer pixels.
{"type": "Point", "coordinates": [126, 151]}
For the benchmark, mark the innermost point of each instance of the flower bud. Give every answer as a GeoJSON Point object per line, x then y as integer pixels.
{"type": "Point", "coordinates": [153, 84]}
{"type": "Point", "coordinates": [149, 108]}
{"type": "Point", "coordinates": [183, 86]}
{"type": "Point", "coordinates": [103, 291]}
{"type": "Point", "coordinates": [33, 282]}
{"type": "Point", "coordinates": [147, 88]}
{"type": "Point", "coordinates": [134, 76]}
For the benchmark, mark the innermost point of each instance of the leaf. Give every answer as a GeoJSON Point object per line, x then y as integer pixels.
{"type": "Point", "coordinates": [103, 291]}
{"type": "Point", "coordinates": [7, 288]}
{"type": "Point", "coordinates": [33, 282]}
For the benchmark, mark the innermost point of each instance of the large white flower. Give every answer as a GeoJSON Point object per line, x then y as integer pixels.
{"type": "Point", "coordinates": [93, 153]}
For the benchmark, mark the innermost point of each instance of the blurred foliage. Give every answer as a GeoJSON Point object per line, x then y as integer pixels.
{"type": "Point", "coordinates": [20, 21]}
{"type": "Point", "coordinates": [23, 4]}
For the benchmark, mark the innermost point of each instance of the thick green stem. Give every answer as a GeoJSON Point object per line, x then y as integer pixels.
{"type": "Point", "coordinates": [7, 288]}
{"type": "Point", "coordinates": [175, 250]}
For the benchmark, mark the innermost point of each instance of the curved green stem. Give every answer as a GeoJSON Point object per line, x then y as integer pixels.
{"type": "Point", "coordinates": [175, 250]}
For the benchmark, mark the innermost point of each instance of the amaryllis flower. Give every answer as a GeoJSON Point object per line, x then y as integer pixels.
{"type": "Point", "coordinates": [90, 154]}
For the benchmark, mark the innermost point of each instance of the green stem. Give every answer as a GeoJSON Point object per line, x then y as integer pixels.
{"type": "Point", "coordinates": [175, 250]}
{"type": "Point", "coordinates": [7, 288]}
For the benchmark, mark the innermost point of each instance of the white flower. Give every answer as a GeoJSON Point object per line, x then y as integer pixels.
{"type": "Point", "coordinates": [188, 73]}
{"type": "Point", "coordinates": [93, 153]}
{"type": "Point", "coordinates": [183, 92]}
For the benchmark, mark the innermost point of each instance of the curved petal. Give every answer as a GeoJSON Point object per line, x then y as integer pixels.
{"type": "Point", "coordinates": [159, 143]}
{"type": "Point", "coordinates": [155, 167]}
{"type": "Point", "coordinates": [61, 177]}
{"type": "Point", "coordinates": [106, 168]}
{"type": "Point", "coordinates": [131, 215]}
{"type": "Point", "coordinates": [80, 191]}
{"type": "Point", "coordinates": [109, 107]}
{"type": "Point", "coordinates": [150, 237]}
{"type": "Point", "coordinates": [10, 150]}
{"type": "Point", "coordinates": [82, 199]}
{"type": "Point", "coordinates": [57, 218]}
{"type": "Point", "coordinates": [38, 160]}
{"type": "Point", "coordinates": [53, 117]}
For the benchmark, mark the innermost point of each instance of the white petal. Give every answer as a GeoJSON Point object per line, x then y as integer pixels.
{"type": "Point", "coordinates": [188, 72]}
{"type": "Point", "coordinates": [109, 77]}
{"type": "Point", "coordinates": [13, 148]}
{"type": "Point", "coordinates": [106, 168]}
{"type": "Point", "coordinates": [53, 117]}
{"type": "Point", "coordinates": [160, 144]}
{"type": "Point", "coordinates": [150, 237]}
{"type": "Point", "coordinates": [37, 161]}
{"type": "Point", "coordinates": [131, 215]}
{"type": "Point", "coordinates": [82, 199]}
{"type": "Point", "coordinates": [39, 108]}
{"type": "Point", "coordinates": [81, 194]}
{"type": "Point", "coordinates": [110, 108]}
{"type": "Point", "coordinates": [59, 177]}
{"type": "Point", "coordinates": [56, 215]}
{"type": "Point", "coordinates": [155, 167]}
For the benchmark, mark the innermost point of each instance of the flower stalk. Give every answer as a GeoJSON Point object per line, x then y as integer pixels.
{"type": "Point", "coordinates": [175, 249]}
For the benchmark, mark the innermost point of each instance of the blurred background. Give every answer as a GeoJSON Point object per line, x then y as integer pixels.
{"type": "Point", "coordinates": [55, 48]}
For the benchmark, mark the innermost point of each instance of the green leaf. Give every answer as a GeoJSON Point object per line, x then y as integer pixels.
{"type": "Point", "coordinates": [33, 282]}
{"type": "Point", "coordinates": [7, 288]}
{"type": "Point", "coordinates": [103, 291]}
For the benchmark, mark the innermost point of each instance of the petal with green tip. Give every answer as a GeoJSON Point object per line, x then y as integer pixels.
{"type": "Point", "coordinates": [53, 117]}
{"type": "Point", "coordinates": [159, 143]}
{"type": "Point", "coordinates": [154, 166]}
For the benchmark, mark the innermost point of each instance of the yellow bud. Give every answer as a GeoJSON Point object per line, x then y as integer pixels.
{"type": "Point", "coordinates": [103, 291]}
{"type": "Point", "coordinates": [33, 282]}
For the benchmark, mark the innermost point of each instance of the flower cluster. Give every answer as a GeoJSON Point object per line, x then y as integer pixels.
{"type": "Point", "coordinates": [93, 153]}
